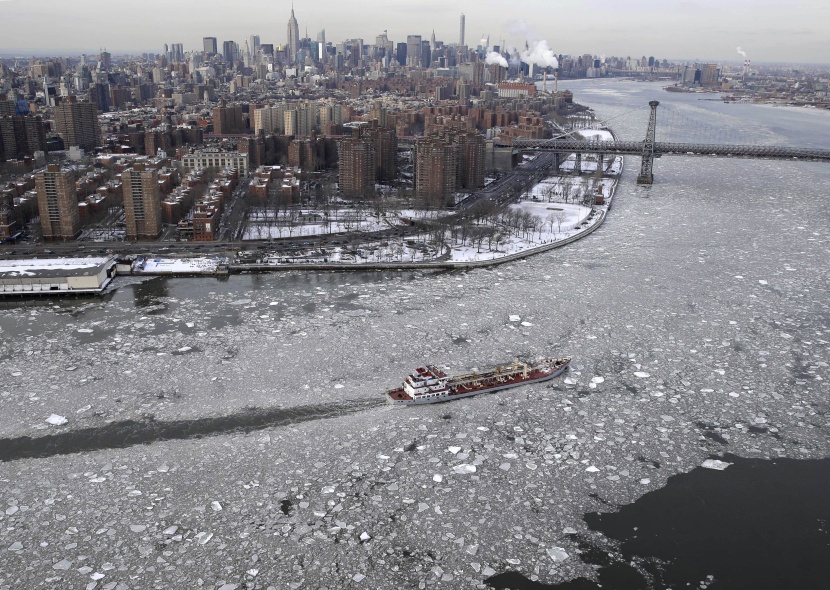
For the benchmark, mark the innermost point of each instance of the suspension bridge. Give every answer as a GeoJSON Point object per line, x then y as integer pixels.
{"type": "Point", "coordinates": [650, 148]}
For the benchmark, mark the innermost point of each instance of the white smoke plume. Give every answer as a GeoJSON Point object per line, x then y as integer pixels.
{"type": "Point", "coordinates": [495, 58]}
{"type": "Point", "coordinates": [742, 52]}
{"type": "Point", "coordinates": [540, 54]}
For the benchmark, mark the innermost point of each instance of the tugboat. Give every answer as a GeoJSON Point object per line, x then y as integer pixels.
{"type": "Point", "coordinates": [430, 385]}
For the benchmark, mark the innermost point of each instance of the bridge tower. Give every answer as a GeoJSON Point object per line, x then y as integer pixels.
{"type": "Point", "coordinates": [647, 167]}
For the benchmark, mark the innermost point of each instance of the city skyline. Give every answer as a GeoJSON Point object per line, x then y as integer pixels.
{"type": "Point", "coordinates": [703, 30]}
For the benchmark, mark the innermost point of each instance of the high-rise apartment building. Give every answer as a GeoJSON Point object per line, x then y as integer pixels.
{"type": "Point", "coordinates": [413, 50]}
{"type": "Point", "coordinates": [300, 120]}
{"type": "Point", "coordinates": [77, 123]}
{"type": "Point", "coordinates": [227, 119]}
{"type": "Point", "coordinates": [270, 119]}
{"type": "Point", "coordinates": [461, 37]}
{"type": "Point", "coordinates": [357, 164]}
{"type": "Point", "coordinates": [21, 136]}
{"type": "Point", "coordinates": [710, 75]}
{"type": "Point", "coordinates": [293, 37]}
{"type": "Point", "coordinates": [57, 203]}
{"type": "Point", "coordinates": [436, 170]}
{"type": "Point", "coordinates": [210, 46]}
{"type": "Point", "coordinates": [142, 202]}
{"type": "Point", "coordinates": [472, 154]}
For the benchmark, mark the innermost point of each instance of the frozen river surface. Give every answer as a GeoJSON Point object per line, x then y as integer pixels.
{"type": "Point", "coordinates": [697, 318]}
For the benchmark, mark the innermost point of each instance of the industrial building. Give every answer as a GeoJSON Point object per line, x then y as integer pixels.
{"type": "Point", "coordinates": [55, 276]}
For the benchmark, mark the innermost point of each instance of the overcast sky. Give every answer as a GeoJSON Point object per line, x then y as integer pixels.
{"type": "Point", "coordinates": [768, 30]}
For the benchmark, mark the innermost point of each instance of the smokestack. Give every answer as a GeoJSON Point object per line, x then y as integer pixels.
{"type": "Point", "coordinates": [555, 79]}
{"type": "Point", "coordinates": [545, 80]}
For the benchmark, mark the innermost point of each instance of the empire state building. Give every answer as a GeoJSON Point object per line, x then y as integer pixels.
{"type": "Point", "coordinates": [293, 38]}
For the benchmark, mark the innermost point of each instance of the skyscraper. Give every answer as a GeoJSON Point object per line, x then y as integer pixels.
{"type": "Point", "coordinates": [461, 38]}
{"type": "Point", "coordinates": [142, 202]}
{"type": "Point", "coordinates": [57, 203]}
{"type": "Point", "coordinates": [77, 123]}
{"type": "Point", "coordinates": [321, 45]}
{"type": "Point", "coordinates": [413, 50]}
{"type": "Point", "coordinates": [229, 52]}
{"type": "Point", "coordinates": [293, 37]}
{"type": "Point", "coordinates": [210, 45]}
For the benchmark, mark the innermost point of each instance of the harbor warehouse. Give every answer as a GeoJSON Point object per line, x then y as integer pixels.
{"type": "Point", "coordinates": [55, 275]}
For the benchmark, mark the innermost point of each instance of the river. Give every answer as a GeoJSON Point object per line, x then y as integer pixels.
{"type": "Point", "coordinates": [697, 318]}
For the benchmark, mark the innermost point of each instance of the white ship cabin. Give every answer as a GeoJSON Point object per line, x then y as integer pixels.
{"type": "Point", "coordinates": [427, 381]}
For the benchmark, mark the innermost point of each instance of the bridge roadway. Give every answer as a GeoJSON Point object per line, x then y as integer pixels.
{"type": "Point", "coordinates": [635, 148]}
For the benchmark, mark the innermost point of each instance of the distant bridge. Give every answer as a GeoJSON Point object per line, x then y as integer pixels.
{"type": "Point", "coordinates": [650, 149]}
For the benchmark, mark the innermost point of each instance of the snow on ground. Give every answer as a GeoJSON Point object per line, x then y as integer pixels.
{"type": "Point", "coordinates": [25, 267]}
{"type": "Point", "coordinates": [598, 134]}
{"type": "Point", "coordinates": [177, 265]}
{"type": "Point", "coordinates": [728, 327]}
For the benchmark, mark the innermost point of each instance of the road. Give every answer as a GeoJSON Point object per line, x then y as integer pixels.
{"type": "Point", "coordinates": [498, 193]}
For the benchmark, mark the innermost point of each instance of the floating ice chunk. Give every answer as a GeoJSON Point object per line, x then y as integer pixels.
{"type": "Point", "coordinates": [531, 466]}
{"type": "Point", "coordinates": [569, 531]}
{"type": "Point", "coordinates": [56, 420]}
{"type": "Point", "coordinates": [228, 586]}
{"type": "Point", "coordinates": [84, 330]}
{"type": "Point", "coordinates": [557, 554]}
{"type": "Point", "coordinates": [505, 466]}
{"type": "Point", "coordinates": [597, 379]}
{"type": "Point", "coordinates": [189, 324]}
{"type": "Point", "coordinates": [328, 490]}
{"type": "Point", "coordinates": [472, 549]}
{"type": "Point", "coordinates": [358, 577]}
{"type": "Point", "coordinates": [252, 572]}
{"type": "Point", "coordinates": [97, 479]}
{"type": "Point", "coordinates": [569, 381]}
{"type": "Point", "coordinates": [641, 374]}
{"type": "Point", "coordinates": [438, 478]}
{"type": "Point", "coordinates": [203, 537]}
{"type": "Point", "coordinates": [422, 507]}
{"type": "Point", "coordinates": [138, 528]}
{"type": "Point", "coordinates": [185, 348]}
{"type": "Point", "coordinates": [514, 318]}
{"type": "Point", "coordinates": [16, 546]}
{"type": "Point", "coordinates": [216, 506]}
{"type": "Point", "coordinates": [63, 564]}
{"type": "Point", "coordinates": [96, 576]}
{"type": "Point", "coordinates": [488, 571]}
{"type": "Point", "coordinates": [274, 303]}
{"type": "Point", "coordinates": [454, 450]}
{"type": "Point", "coordinates": [464, 468]}
{"type": "Point", "coordinates": [171, 530]}
{"type": "Point", "coordinates": [763, 282]}
{"type": "Point", "coordinates": [339, 386]}
{"type": "Point", "coordinates": [527, 324]}
{"type": "Point", "coordinates": [715, 464]}
{"type": "Point", "coordinates": [364, 536]}
{"type": "Point", "coordinates": [592, 469]}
